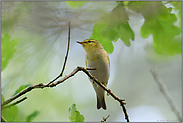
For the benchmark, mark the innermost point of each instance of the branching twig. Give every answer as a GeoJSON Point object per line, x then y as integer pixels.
{"type": "Point", "coordinates": [104, 119]}
{"type": "Point", "coordinates": [65, 57]}
{"type": "Point", "coordinates": [5, 107]}
{"type": "Point", "coordinates": [122, 104]}
{"type": "Point", "coordinates": [42, 85]}
{"type": "Point", "coordinates": [166, 94]}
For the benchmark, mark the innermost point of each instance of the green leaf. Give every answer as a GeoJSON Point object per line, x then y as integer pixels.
{"type": "Point", "coordinates": [74, 114]}
{"type": "Point", "coordinates": [2, 98]}
{"type": "Point", "coordinates": [32, 116]}
{"type": "Point", "coordinates": [7, 49]}
{"type": "Point", "coordinates": [126, 2]}
{"type": "Point", "coordinates": [125, 33]}
{"type": "Point", "coordinates": [178, 6]}
{"type": "Point", "coordinates": [106, 43]}
{"type": "Point", "coordinates": [180, 16]}
{"type": "Point", "coordinates": [10, 113]}
{"type": "Point", "coordinates": [118, 26]}
{"type": "Point", "coordinates": [114, 25]}
{"type": "Point", "coordinates": [159, 21]}
{"type": "Point", "coordinates": [22, 87]}
{"type": "Point", "coordinates": [74, 4]}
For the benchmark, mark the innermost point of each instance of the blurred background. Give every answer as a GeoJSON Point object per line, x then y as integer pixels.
{"type": "Point", "coordinates": [42, 31]}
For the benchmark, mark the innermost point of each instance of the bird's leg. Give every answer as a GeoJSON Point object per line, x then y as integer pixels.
{"type": "Point", "coordinates": [108, 92]}
{"type": "Point", "coordinates": [94, 79]}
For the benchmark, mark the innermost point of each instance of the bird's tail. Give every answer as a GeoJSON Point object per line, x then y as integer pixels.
{"type": "Point", "coordinates": [101, 103]}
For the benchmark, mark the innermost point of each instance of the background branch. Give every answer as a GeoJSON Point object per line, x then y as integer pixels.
{"type": "Point", "coordinates": [166, 94]}
{"type": "Point", "coordinates": [63, 68]}
{"type": "Point", "coordinates": [104, 119]}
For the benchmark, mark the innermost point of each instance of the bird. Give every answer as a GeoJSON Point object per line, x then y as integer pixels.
{"type": "Point", "coordinates": [98, 58]}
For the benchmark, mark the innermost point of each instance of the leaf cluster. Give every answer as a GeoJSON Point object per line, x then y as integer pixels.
{"type": "Point", "coordinates": [74, 114]}
{"type": "Point", "coordinates": [8, 48]}
{"type": "Point", "coordinates": [10, 114]}
{"type": "Point", "coordinates": [159, 22]}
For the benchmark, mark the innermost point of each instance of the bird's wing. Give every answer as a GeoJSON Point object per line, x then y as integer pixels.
{"type": "Point", "coordinates": [86, 61]}
{"type": "Point", "coordinates": [108, 60]}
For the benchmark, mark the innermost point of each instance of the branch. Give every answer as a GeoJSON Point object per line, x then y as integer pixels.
{"type": "Point", "coordinates": [9, 106]}
{"type": "Point", "coordinates": [42, 85]}
{"type": "Point", "coordinates": [122, 104]}
{"type": "Point", "coordinates": [53, 84]}
{"type": "Point", "coordinates": [104, 119]}
{"type": "Point", "coordinates": [65, 57]}
{"type": "Point", "coordinates": [166, 94]}
{"type": "Point", "coordinates": [3, 119]}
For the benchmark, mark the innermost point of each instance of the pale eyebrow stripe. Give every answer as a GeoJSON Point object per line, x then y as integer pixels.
{"type": "Point", "coordinates": [86, 40]}
{"type": "Point", "coordinates": [92, 40]}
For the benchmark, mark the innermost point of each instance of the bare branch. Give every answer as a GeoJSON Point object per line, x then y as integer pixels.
{"type": "Point", "coordinates": [166, 94]}
{"type": "Point", "coordinates": [53, 84]}
{"type": "Point", "coordinates": [104, 119]}
{"type": "Point", "coordinates": [122, 104]}
{"type": "Point", "coordinates": [63, 68]}
{"type": "Point", "coordinates": [9, 106]}
{"type": "Point", "coordinates": [41, 85]}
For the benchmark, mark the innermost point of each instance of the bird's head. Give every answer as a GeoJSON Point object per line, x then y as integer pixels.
{"type": "Point", "coordinates": [90, 45]}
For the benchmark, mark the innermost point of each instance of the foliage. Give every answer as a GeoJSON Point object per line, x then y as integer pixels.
{"type": "Point", "coordinates": [10, 113]}
{"type": "Point", "coordinates": [8, 48]}
{"type": "Point", "coordinates": [74, 4]}
{"type": "Point", "coordinates": [178, 6]}
{"type": "Point", "coordinates": [159, 21]}
{"type": "Point", "coordinates": [113, 26]}
{"type": "Point", "coordinates": [74, 114]}
{"type": "Point", "coordinates": [32, 116]}
{"type": "Point", "coordinates": [22, 87]}
{"type": "Point", "coordinates": [2, 98]}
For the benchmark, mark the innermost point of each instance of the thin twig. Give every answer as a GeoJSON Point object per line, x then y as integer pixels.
{"type": "Point", "coordinates": [63, 68]}
{"type": "Point", "coordinates": [122, 104]}
{"type": "Point", "coordinates": [9, 106]}
{"type": "Point", "coordinates": [166, 94]}
{"type": "Point", "coordinates": [104, 119]}
{"type": "Point", "coordinates": [3, 119]}
{"type": "Point", "coordinates": [42, 85]}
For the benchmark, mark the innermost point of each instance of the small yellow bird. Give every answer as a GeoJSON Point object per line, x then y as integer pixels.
{"type": "Point", "coordinates": [98, 58]}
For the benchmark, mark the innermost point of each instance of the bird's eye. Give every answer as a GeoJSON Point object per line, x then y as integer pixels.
{"type": "Point", "coordinates": [89, 41]}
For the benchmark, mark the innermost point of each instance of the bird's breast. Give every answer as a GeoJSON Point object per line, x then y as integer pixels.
{"type": "Point", "coordinates": [102, 71]}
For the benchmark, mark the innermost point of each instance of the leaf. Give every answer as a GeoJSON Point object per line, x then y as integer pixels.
{"type": "Point", "coordinates": [106, 43]}
{"type": "Point", "coordinates": [159, 21]}
{"type": "Point", "coordinates": [22, 87]}
{"type": "Point", "coordinates": [8, 48]}
{"type": "Point", "coordinates": [32, 116]}
{"type": "Point", "coordinates": [114, 25]}
{"type": "Point", "coordinates": [2, 99]}
{"type": "Point", "coordinates": [74, 114]}
{"type": "Point", "coordinates": [10, 113]}
{"type": "Point", "coordinates": [74, 4]}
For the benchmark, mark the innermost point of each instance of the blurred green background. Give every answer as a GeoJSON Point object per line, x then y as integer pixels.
{"type": "Point", "coordinates": [38, 33]}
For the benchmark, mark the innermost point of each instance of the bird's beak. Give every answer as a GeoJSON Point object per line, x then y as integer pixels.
{"type": "Point", "coordinates": [79, 42]}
